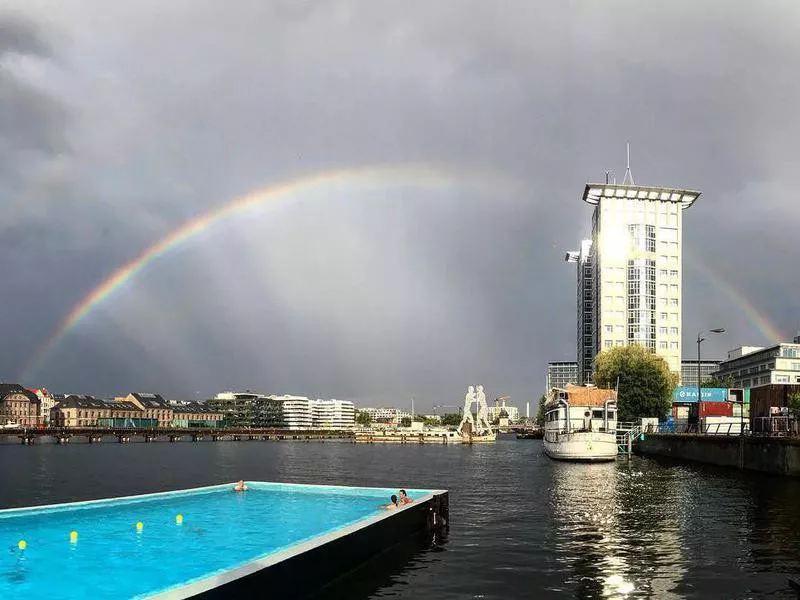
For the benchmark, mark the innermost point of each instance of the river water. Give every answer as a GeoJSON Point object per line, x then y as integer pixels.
{"type": "Point", "coordinates": [522, 525]}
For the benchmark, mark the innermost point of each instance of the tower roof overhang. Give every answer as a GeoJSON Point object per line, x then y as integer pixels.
{"type": "Point", "coordinates": [595, 191]}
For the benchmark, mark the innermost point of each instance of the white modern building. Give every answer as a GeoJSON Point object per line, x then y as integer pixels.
{"type": "Point", "coordinates": [635, 261]}
{"type": "Point", "coordinates": [753, 366]}
{"type": "Point", "coordinates": [297, 411]}
{"type": "Point", "coordinates": [385, 415]}
{"type": "Point", "coordinates": [496, 411]}
{"type": "Point", "coordinates": [333, 414]}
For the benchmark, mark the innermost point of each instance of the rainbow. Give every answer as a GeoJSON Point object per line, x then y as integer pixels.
{"type": "Point", "coordinates": [771, 332]}
{"type": "Point", "coordinates": [419, 176]}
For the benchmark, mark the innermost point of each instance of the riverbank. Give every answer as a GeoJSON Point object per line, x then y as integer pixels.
{"type": "Point", "coordinates": [779, 456]}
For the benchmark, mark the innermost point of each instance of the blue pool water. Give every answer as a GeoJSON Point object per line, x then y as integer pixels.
{"type": "Point", "coordinates": [221, 530]}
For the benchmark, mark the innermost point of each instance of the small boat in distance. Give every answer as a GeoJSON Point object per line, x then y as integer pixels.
{"type": "Point", "coordinates": [580, 424]}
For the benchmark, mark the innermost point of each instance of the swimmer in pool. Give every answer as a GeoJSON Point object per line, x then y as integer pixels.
{"type": "Point", "coordinates": [240, 487]}
{"type": "Point", "coordinates": [404, 499]}
{"type": "Point", "coordinates": [393, 504]}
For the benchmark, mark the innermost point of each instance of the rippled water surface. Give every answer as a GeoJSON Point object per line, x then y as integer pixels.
{"type": "Point", "coordinates": [522, 526]}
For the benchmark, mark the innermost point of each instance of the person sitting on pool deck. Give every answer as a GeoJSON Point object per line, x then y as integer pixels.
{"type": "Point", "coordinates": [393, 504]}
{"type": "Point", "coordinates": [240, 487]}
{"type": "Point", "coordinates": [404, 499]}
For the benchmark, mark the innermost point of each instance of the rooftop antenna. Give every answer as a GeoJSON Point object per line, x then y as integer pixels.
{"type": "Point", "coordinates": [628, 179]}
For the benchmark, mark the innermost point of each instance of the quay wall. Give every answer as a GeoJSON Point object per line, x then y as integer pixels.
{"type": "Point", "coordinates": [769, 455]}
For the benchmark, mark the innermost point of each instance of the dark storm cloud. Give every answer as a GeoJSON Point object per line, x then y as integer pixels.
{"type": "Point", "coordinates": [175, 109]}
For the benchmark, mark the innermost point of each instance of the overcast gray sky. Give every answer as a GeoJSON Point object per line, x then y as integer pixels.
{"type": "Point", "coordinates": [121, 121]}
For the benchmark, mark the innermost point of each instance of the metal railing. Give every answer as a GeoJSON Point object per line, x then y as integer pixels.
{"type": "Point", "coordinates": [780, 426]}
{"type": "Point", "coordinates": [627, 434]}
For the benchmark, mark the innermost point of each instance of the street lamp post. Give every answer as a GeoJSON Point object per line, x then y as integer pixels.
{"type": "Point", "coordinates": [700, 339]}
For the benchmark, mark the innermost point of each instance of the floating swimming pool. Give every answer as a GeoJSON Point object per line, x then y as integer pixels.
{"type": "Point", "coordinates": [178, 544]}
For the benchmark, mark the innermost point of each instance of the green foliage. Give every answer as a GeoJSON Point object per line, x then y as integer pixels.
{"type": "Point", "coordinates": [718, 382]}
{"type": "Point", "coordinates": [364, 418]}
{"type": "Point", "coordinates": [419, 418]}
{"type": "Point", "coordinates": [794, 404]}
{"type": "Point", "coordinates": [451, 419]}
{"type": "Point", "coordinates": [405, 422]}
{"type": "Point", "coordinates": [431, 422]}
{"type": "Point", "coordinates": [540, 414]}
{"type": "Point", "coordinates": [645, 381]}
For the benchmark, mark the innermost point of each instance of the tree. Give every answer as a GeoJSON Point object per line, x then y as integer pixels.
{"type": "Point", "coordinates": [364, 418]}
{"type": "Point", "coordinates": [645, 381]}
{"type": "Point", "coordinates": [451, 419]}
{"type": "Point", "coordinates": [419, 418]}
{"type": "Point", "coordinates": [540, 414]}
{"type": "Point", "coordinates": [718, 382]}
{"type": "Point", "coordinates": [405, 422]}
{"type": "Point", "coordinates": [794, 405]}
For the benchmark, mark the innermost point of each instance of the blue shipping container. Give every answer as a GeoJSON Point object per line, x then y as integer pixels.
{"type": "Point", "coordinates": [685, 394]}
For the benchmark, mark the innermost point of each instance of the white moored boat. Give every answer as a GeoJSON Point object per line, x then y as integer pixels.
{"type": "Point", "coordinates": [580, 424]}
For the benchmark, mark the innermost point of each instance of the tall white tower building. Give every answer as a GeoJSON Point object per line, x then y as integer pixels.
{"type": "Point", "coordinates": [636, 269]}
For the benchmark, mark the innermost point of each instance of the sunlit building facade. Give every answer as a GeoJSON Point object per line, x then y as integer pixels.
{"type": "Point", "coordinates": [297, 412]}
{"type": "Point", "coordinates": [629, 277]}
{"type": "Point", "coordinates": [333, 414]}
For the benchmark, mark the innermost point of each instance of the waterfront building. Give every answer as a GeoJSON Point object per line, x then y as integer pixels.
{"type": "Point", "coordinates": [390, 416]}
{"type": "Point", "coordinates": [18, 405]}
{"type": "Point", "coordinates": [708, 368]}
{"type": "Point", "coordinates": [333, 414]}
{"type": "Point", "coordinates": [152, 405]}
{"type": "Point", "coordinates": [585, 314]}
{"type": "Point", "coordinates": [502, 410]}
{"type": "Point", "coordinates": [195, 414]}
{"type": "Point", "coordinates": [635, 260]}
{"type": "Point", "coordinates": [248, 409]}
{"type": "Point", "coordinates": [754, 366]}
{"type": "Point", "coordinates": [46, 402]}
{"type": "Point", "coordinates": [562, 373]}
{"type": "Point", "coordinates": [87, 411]}
{"type": "Point", "coordinates": [297, 412]}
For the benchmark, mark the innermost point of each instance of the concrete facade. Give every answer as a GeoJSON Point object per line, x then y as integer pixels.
{"type": "Point", "coordinates": [752, 366]}
{"type": "Point", "coordinates": [689, 371]}
{"type": "Point", "coordinates": [562, 373]}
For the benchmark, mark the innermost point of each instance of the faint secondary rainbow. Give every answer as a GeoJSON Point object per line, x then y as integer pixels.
{"type": "Point", "coordinates": [418, 176]}
{"type": "Point", "coordinates": [765, 326]}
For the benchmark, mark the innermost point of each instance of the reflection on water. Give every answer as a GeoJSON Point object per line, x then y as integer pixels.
{"type": "Point", "coordinates": [522, 525]}
{"type": "Point", "coordinates": [614, 533]}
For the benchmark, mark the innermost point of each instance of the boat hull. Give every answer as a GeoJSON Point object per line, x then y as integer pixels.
{"type": "Point", "coordinates": [581, 446]}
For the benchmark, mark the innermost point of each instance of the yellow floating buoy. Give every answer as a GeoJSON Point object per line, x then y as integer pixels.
{"type": "Point", "coordinates": [22, 545]}
{"type": "Point", "coordinates": [139, 526]}
{"type": "Point", "coordinates": [73, 537]}
{"type": "Point", "coordinates": [179, 520]}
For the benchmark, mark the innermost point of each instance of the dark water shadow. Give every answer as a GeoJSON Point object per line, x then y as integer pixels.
{"type": "Point", "coordinates": [382, 570]}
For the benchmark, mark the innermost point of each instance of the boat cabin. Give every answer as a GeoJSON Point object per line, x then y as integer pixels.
{"type": "Point", "coordinates": [575, 409]}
